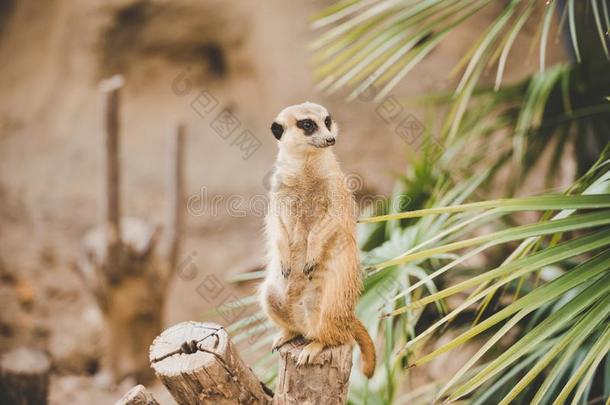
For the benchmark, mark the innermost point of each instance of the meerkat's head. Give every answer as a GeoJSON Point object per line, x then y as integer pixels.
{"type": "Point", "coordinates": [306, 128]}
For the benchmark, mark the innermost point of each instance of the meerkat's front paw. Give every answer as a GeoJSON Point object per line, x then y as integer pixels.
{"type": "Point", "coordinates": [285, 270]}
{"type": "Point", "coordinates": [309, 353]}
{"type": "Point", "coordinates": [309, 268]}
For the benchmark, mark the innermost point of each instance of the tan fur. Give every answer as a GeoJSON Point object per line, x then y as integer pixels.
{"type": "Point", "coordinates": [312, 224]}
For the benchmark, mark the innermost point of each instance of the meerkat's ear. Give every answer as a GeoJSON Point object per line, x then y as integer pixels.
{"type": "Point", "coordinates": [277, 130]}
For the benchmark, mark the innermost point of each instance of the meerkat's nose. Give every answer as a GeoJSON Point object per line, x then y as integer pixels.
{"type": "Point", "coordinates": [330, 141]}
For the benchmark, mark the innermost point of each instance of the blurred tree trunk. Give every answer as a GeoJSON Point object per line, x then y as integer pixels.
{"type": "Point", "coordinates": [123, 266]}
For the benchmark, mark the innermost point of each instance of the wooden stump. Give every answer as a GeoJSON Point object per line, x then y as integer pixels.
{"type": "Point", "coordinates": [138, 395]}
{"type": "Point", "coordinates": [199, 365]}
{"type": "Point", "coordinates": [326, 381]}
{"type": "Point", "coordinates": [24, 377]}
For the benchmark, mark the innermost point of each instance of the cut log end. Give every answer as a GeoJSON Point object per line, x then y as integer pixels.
{"type": "Point", "coordinates": [24, 377]}
{"type": "Point", "coordinates": [198, 364]}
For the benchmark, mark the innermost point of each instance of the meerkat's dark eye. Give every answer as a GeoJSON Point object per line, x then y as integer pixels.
{"type": "Point", "coordinates": [307, 125]}
{"type": "Point", "coordinates": [328, 122]}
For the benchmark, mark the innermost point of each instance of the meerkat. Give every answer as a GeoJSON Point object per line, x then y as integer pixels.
{"type": "Point", "coordinates": [313, 278]}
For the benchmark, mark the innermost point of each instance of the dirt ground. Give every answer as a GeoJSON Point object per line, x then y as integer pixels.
{"type": "Point", "coordinates": [251, 57]}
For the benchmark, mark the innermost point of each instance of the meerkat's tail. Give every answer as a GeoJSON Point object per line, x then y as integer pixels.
{"type": "Point", "coordinates": [367, 348]}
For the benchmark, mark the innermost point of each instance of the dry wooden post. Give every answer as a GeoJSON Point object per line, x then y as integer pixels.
{"type": "Point", "coordinates": [112, 186]}
{"type": "Point", "coordinates": [24, 377]}
{"type": "Point", "coordinates": [199, 365]}
{"type": "Point", "coordinates": [122, 265]}
{"type": "Point", "coordinates": [138, 395]}
{"type": "Point", "coordinates": [177, 201]}
{"type": "Point", "coordinates": [326, 381]}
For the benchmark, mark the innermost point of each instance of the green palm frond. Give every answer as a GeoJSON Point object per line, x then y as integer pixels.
{"type": "Point", "coordinates": [581, 294]}
{"type": "Point", "coordinates": [374, 44]}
